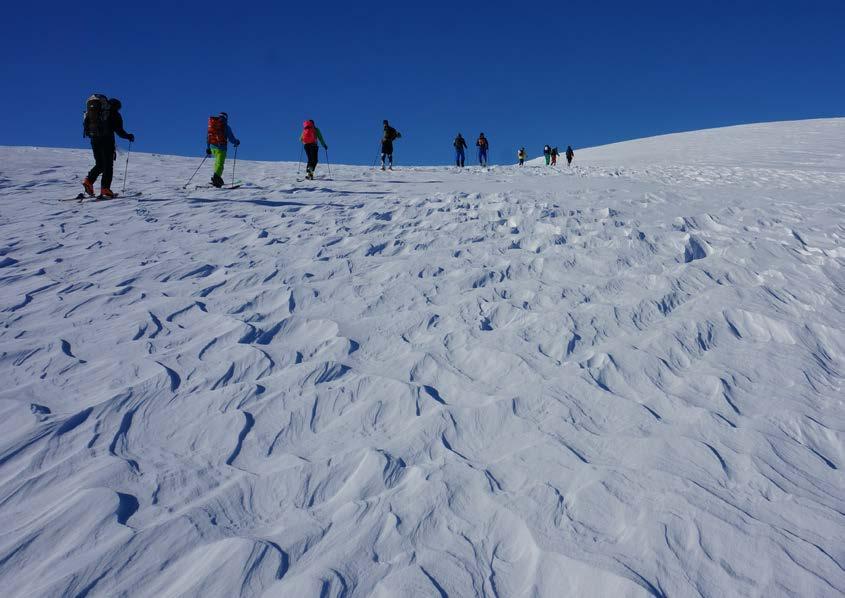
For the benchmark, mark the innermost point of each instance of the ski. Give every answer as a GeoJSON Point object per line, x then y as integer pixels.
{"type": "Point", "coordinates": [116, 196]}
{"type": "Point", "coordinates": [238, 186]}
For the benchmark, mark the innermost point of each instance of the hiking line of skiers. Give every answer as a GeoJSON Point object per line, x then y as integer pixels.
{"type": "Point", "coordinates": [102, 121]}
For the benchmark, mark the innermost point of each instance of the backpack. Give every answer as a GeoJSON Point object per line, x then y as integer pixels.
{"type": "Point", "coordinates": [95, 119]}
{"type": "Point", "coordinates": [309, 132]}
{"type": "Point", "coordinates": [390, 133]}
{"type": "Point", "coordinates": [482, 143]}
{"type": "Point", "coordinates": [216, 130]}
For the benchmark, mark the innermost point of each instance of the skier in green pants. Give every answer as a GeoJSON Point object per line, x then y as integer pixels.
{"type": "Point", "coordinates": [219, 134]}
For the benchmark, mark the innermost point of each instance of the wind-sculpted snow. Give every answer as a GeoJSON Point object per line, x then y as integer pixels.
{"type": "Point", "coordinates": [621, 379]}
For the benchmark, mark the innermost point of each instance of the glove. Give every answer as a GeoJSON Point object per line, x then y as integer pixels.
{"type": "Point", "coordinates": [326, 147]}
{"type": "Point", "coordinates": [131, 138]}
{"type": "Point", "coordinates": [208, 151]}
{"type": "Point", "coordinates": [236, 143]}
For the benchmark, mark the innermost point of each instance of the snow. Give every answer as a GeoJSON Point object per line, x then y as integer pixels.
{"type": "Point", "coordinates": [620, 379]}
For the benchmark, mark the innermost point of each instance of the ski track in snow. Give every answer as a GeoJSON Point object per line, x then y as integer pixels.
{"type": "Point", "coordinates": [623, 379]}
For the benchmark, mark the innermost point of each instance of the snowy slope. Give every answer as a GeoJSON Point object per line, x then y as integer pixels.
{"type": "Point", "coordinates": [624, 379]}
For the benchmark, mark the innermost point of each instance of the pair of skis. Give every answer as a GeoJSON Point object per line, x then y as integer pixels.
{"type": "Point", "coordinates": [235, 185]}
{"type": "Point", "coordinates": [82, 197]}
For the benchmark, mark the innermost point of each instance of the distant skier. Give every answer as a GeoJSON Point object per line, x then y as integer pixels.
{"type": "Point", "coordinates": [483, 145]}
{"type": "Point", "coordinates": [310, 135]}
{"type": "Point", "coordinates": [390, 135]}
{"type": "Point", "coordinates": [216, 144]}
{"type": "Point", "coordinates": [555, 154]}
{"type": "Point", "coordinates": [547, 154]}
{"type": "Point", "coordinates": [569, 155]}
{"type": "Point", "coordinates": [101, 121]}
{"type": "Point", "coordinates": [521, 156]}
{"type": "Point", "coordinates": [460, 150]}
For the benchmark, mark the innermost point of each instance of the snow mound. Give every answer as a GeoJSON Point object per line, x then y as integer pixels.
{"type": "Point", "coordinates": [620, 379]}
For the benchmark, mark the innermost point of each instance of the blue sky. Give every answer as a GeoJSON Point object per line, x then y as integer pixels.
{"type": "Point", "coordinates": [524, 73]}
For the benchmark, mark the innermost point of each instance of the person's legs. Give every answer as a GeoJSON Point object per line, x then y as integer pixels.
{"type": "Point", "coordinates": [107, 163]}
{"type": "Point", "coordinates": [97, 169]}
{"type": "Point", "coordinates": [219, 160]}
{"type": "Point", "coordinates": [386, 152]}
{"type": "Point", "coordinates": [312, 151]}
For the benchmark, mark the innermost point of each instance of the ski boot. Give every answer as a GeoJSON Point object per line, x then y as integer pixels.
{"type": "Point", "coordinates": [106, 193]}
{"type": "Point", "coordinates": [217, 180]}
{"type": "Point", "coordinates": [89, 187]}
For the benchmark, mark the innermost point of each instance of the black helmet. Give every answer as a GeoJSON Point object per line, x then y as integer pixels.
{"type": "Point", "coordinates": [115, 104]}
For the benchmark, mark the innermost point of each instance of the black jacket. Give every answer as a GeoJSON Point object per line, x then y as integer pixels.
{"type": "Point", "coordinates": [114, 126]}
{"type": "Point", "coordinates": [390, 134]}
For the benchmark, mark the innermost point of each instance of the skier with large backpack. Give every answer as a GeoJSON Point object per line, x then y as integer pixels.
{"type": "Point", "coordinates": [483, 145]}
{"type": "Point", "coordinates": [555, 154]}
{"type": "Point", "coordinates": [520, 155]}
{"type": "Point", "coordinates": [390, 135]}
{"type": "Point", "coordinates": [216, 144]}
{"type": "Point", "coordinates": [100, 122]}
{"type": "Point", "coordinates": [460, 150]}
{"type": "Point", "coordinates": [569, 155]}
{"type": "Point", "coordinates": [310, 135]}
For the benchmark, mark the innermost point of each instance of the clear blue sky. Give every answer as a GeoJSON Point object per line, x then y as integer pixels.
{"type": "Point", "coordinates": [524, 73]}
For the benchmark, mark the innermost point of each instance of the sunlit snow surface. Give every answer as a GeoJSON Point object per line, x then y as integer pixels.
{"type": "Point", "coordinates": [620, 379]}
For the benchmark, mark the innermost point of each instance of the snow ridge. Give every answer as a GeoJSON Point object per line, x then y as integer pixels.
{"type": "Point", "coordinates": [621, 379]}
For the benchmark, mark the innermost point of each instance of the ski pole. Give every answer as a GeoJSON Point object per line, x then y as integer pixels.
{"type": "Point", "coordinates": [126, 167]}
{"type": "Point", "coordinates": [195, 172]}
{"type": "Point", "coordinates": [234, 162]}
{"type": "Point", "coordinates": [378, 153]}
{"type": "Point", "coordinates": [328, 164]}
{"type": "Point", "coordinates": [299, 164]}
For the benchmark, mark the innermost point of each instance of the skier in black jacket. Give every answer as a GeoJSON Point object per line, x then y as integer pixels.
{"type": "Point", "coordinates": [460, 150]}
{"type": "Point", "coordinates": [390, 135]}
{"type": "Point", "coordinates": [101, 130]}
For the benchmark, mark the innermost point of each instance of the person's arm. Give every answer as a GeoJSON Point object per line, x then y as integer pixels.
{"type": "Point", "coordinates": [230, 135]}
{"type": "Point", "coordinates": [320, 137]}
{"type": "Point", "coordinates": [117, 127]}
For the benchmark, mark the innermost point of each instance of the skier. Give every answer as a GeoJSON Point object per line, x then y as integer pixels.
{"type": "Point", "coordinates": [547, 154]}
{"type": "Point", "coordinates": [460, 146]}
{"type": "Point", "coordinates": [216, 144]}
{"type": "Point", "coordinates": [310, 135]}
{"type": "Point", "coordinates": [390, 135]}
{"type": "Point", "coordinates": [555, 154]}
{"type": "Point", "coordinates": [569, 155]}
{"type": "Point", "coordinates": [483, 145]}
{"type": "Point", "coordinates": [521, 155]}
{"type": "Point", "coordinates": [100, 122]}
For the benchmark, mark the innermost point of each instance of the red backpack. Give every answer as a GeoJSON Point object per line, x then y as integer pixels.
{"type": "Point", "coordinates": [216, 130]}
{"type": "Point", "coordinates": [309, 132]}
